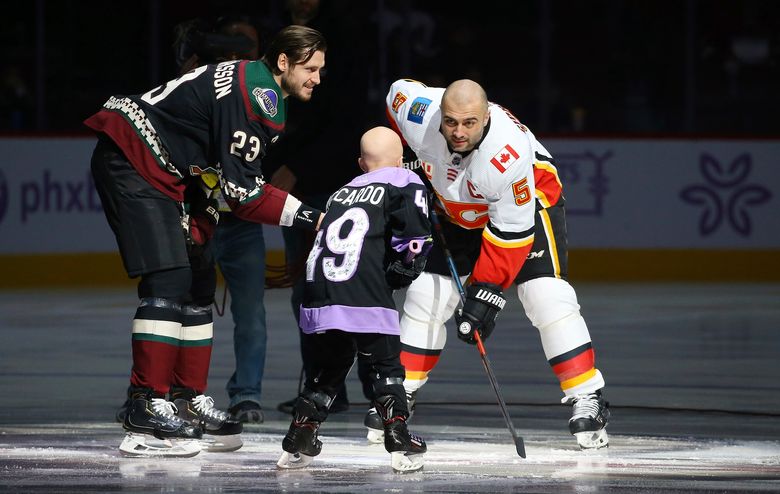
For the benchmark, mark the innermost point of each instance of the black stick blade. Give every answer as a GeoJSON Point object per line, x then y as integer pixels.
{"type": "Point", "coordinates": [520, 447]}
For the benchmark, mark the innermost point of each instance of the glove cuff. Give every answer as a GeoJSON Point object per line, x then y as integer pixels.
{"type": "Point", "coordinates": [306, 217]}
{"type": "Point", "coordinates": [488, 293]}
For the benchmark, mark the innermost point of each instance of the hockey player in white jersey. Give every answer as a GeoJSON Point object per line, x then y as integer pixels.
{"type": "Point", "coordinates": [503, 202]}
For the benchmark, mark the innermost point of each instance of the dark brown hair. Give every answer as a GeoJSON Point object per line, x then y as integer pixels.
{"type": "Point", "coordinates": [297, 42]}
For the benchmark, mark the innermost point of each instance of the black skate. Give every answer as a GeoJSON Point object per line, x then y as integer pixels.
{"type": "Point", "coordinates": [300, 445]}
{"type": "Point", "coordinates": [589, 419]}
{"type": "Point", "coordinates": [406, 450]}
{"type": "Point", "coordinates": [373, 422]}
{"type": "Point", "coordinates": [121, 412]}
{"type": "Point", "coordinates": [247, 412]}
{"type": "Point", "coordinates": [221, 432]}
{"type": "Point", "coordinates": [153, 429]}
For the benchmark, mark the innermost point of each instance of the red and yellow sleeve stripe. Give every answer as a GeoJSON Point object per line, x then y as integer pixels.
{"type": "Point", "coordinates": [501, 256]}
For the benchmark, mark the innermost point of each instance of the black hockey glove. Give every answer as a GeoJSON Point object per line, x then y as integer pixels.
{"type": "Point", "coordinates": [203, 217]}
{"type": "Point", "coordinates": [483, 302]}
{"type": "Point", "coordinates": [401, 274]}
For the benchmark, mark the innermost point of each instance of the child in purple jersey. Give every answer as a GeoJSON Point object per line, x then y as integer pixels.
{"type": "Point", "coordinates": [373, 239]}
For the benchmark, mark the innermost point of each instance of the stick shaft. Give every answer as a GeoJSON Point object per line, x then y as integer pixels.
{"type": "Point", "coordinates": [519, 445]}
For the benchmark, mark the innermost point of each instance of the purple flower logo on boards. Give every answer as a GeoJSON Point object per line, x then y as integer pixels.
{"type": "Point", "coordinates": [584, 171]}
{"type": "Point", "coordinates": [725, 198]}
{"type": "Point", "coordinates": [3, 196]}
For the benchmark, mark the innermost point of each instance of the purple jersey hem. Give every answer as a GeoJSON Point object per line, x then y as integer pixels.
{"type": "Point", "coordinates": [351, 319]}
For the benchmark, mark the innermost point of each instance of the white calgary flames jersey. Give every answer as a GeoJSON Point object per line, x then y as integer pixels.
{"type": "Point", "coordinates": [492, 187]}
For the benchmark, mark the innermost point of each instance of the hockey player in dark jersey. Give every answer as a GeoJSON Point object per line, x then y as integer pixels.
{"type": "Point", "coordinates": [373, 239]}
{"type": "Point", "coordinates": [152, 148]}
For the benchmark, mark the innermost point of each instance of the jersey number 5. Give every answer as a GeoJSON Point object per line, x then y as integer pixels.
{"type": "Point", "coordinates": [348, 246]}
{"type": "Point", "coordinates": [522, 192]}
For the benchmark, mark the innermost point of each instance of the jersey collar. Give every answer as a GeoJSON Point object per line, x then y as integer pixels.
{"type": "Point", "coordinates": [262, 95]}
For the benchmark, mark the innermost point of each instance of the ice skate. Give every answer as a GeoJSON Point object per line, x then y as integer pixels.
{"type": "Point", "coordinates": [376, 430]}
{"type": "Point", "coordinates": [121, 412]}
{"type": "Point", "coordinates": [406, 450]}
{"type": "Point", "coordinates": [589, 420]}
{"type": "Point", "coordinates": [372, 421]}
{"type": "Point", "coordinates": [300, 445]}
{"type": "Point", "coordinates": [153, 429]}
{"type": "Point", "coordinates": [221, 432]}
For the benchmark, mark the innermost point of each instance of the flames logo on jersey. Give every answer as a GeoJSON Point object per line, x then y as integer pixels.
{"type": "Point", "coordinates": [466, 214]}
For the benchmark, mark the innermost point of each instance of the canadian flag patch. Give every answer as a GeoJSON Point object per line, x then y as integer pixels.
{"type": "Point", "coordinates": [504, 158]}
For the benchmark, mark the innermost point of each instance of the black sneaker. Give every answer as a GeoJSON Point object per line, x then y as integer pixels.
{"type": "Point", "coordinates": [247, 412]}
{"type": "Point", "coordinates": [287, 406]}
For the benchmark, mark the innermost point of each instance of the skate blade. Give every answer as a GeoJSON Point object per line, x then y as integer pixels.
{"type": "Point", "coordinates": [293, 460]}
{"type": "Point", "coordinates": [375, 436]}
{"type": "Point", "coordinates": [146, 446]}
{"type": "Point", "coordinates": [221, 444]}
{"type": "Point", "coordinates": [406, 462]}
{"type": "Point", "coordinates": [592, 440]}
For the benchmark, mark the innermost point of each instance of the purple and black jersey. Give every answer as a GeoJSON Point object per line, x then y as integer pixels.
{"type": "Point", "coordinates": [369, 223]}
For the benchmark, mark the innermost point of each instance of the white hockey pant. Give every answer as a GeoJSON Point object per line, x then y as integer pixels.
{"type": "Point", "coordinates": [551, 306]}
{"type": "Point", "coordinates": [430, 302]}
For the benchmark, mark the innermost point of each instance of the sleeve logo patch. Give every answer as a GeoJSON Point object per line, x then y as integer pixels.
{"type": "Point", "coordinates": [505, 157]}
{"type": "Point", "coordinates": [417, 110]}
{"type": "Point", "coordinates": [267, 99]}
{"type": "Point", "coordinates": [398, 100]}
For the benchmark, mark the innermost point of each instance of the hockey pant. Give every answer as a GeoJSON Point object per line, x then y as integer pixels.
{"type": "Point", "coordinates": [430, 301]}
{"type": "Point", "coordinates": [550, 304]}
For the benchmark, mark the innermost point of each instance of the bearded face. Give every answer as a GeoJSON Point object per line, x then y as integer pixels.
{"type": "Point", "coordinates": [299, 80]}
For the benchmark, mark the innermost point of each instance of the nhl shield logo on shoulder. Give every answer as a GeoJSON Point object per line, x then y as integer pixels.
{"type": "Point", "coordinates": [267, 99]}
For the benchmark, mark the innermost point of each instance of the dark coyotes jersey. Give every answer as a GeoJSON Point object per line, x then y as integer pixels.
{"type": "Point", "coordinates": [216, 119]}
{"type": "Point", "coordinates": [369, 222]}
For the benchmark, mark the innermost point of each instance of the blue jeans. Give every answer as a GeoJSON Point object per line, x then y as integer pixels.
{"type": "Point", "coordinates": [239, 250]}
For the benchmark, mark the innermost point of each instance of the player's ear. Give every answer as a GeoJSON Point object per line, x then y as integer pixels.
{"type": "Point", "coordinates": [362, 164]}
{"type": "Point", "coordinates": [282, 62]}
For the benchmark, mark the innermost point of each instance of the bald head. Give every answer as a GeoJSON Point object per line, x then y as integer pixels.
{"type": "Point", "coordinates": [464, 94]}
{"type": "Point", "coordinates": [464, 115]}
{"type": "Point", "coordinates": [380, 147]}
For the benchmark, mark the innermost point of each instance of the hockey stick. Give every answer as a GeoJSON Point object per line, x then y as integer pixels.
{"type": "Point", "coordinates": [519, 445]}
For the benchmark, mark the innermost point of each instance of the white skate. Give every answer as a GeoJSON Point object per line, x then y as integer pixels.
{"type": "Point", "coordinates": [294, 460]}
{"type": "Point", "coordinates": [139, 445]}
{"type": "Point", "coordinates": [406, 462]}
